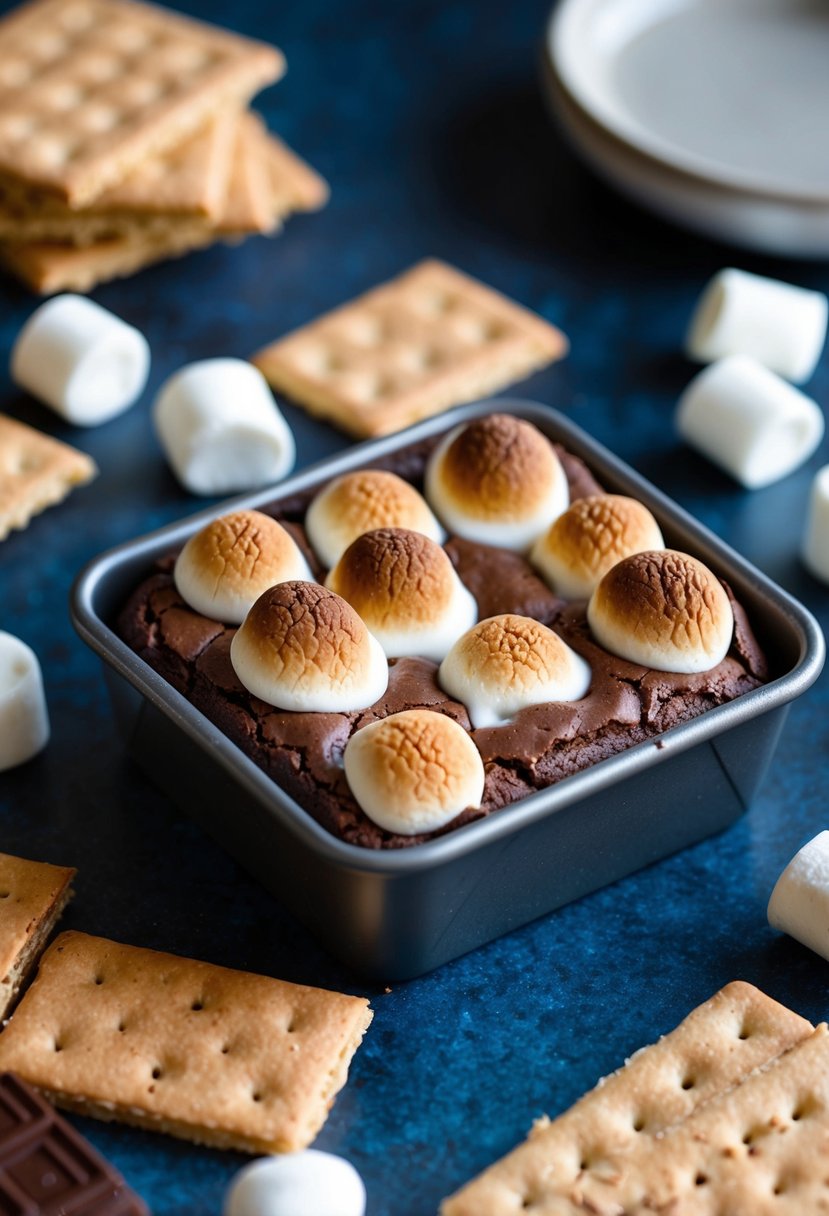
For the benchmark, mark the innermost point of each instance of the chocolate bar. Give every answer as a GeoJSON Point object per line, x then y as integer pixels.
{"type": "Point", "coordinates": [49, 1169]}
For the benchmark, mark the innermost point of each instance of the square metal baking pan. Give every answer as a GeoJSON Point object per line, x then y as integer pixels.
{"type": "Point", "coordinates": [395, 914]}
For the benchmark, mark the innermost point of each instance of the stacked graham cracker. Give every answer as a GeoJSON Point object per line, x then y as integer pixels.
{"type": "Point", "coordinates": [124, 139]}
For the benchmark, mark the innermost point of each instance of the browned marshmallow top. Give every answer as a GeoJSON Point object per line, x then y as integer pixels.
{"type": "Point", "coordinates": [499, 468]}
{"type": "Point", "coordinates": [394, 576]}
{"type": "Point", "coordinates": [591, 536]}
{"type": "Point", "coordinates": [300, 631]}
{"type": "Point", "coordinates": [226, 565]}
{"type": "Point", "coordinates": [664, 609]}
{"type": "Point", "coordinates": [361, 502]}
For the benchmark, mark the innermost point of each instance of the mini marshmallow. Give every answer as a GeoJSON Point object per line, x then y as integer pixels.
{"type": "Point", "coordinates": [664, 610]}
{"type": "Point", "coordinates": [799, 903]}
{"type": "Point", "coordinates": [310, 1183]}
{"type": "Point", "coordinates": [414, 771]}
{"type": "Point", "coordinates": [406, 590]}
{"type": "Point", "coordinates": [24, 721]}
{"type": "Point", "coordinates": [497, 481]}
{"type": "Point", "coordinates": [80, 359]}
{"type": "Point", "coordinates": [815, 549]}
{"type": "Point", "coordinates": [749, 421]}
{"type": "Point", "coordinates": [779, 325]}
{"type": "Point", "coordinates": [592, 535]}
{"type": "Point", "coordinates": [221, 429]}
{"type": "Point", "coordinates": [225, 567]}
{"type": "Point", "coordinates": [508, 663]}
{"type": "Point", "coordinates": [362, 502]}
{"type": "Point", "coordinates": [302, 647]}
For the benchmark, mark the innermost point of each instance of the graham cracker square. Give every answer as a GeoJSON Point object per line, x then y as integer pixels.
{"type": "Point", "coordinates": [427, 340]}
{"type": "Point", "coordinates": [198, 1051]}
{"type": "Point", "coordinates": [33, 895]}
{"type": "Point", "coordinates": [90, 88]}
{"type": "Point", "coordinates": [35, 472]}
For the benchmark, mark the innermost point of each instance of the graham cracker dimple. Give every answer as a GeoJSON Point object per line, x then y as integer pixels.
{"type": "Point", "coordinates": [206, 1053]}
{"type": "Point", "coordinates": [714, 1049]}
{"type": "Point", "coordinates": [36, 471]}
{"type": "Point", "coordinates": [427, 340]}
{"type": "Point", "coordinates": [90, 88]}
{"type": "Point", "coordinates": [33, 895]}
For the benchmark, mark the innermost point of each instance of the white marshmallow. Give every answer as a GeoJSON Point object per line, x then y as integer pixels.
{"type": "Point", "coordinates": [80, 359]}
{"type": "Point", "coordinates": [782, 326]}
{"type": "Point", "coordinates": [799, 903]}
{"type": "Point", "coordinates": [221, 429]}
{"type": "Point", "coordinates": [749, 421]}
{"type": "Point", "coordinates": [816, 537]}
{"type": "Point", "coordinates": [310, 1183]}
{"type": "Point", "coordinates": [24, 722]}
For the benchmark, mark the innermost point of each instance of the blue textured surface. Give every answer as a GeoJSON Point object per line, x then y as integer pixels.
{"type": "Point", "coordinates": [427, 120]}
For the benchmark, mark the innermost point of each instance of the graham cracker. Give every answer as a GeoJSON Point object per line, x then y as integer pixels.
{"type": "Point", "coordinates": [714, 1049]}
{"type": "Point", "coordinates": [289, 184]}
{"type": "Point", "coordinates": [212, 1055]}
{"type": "Point", "coordinates": [33, 895]}
{"type": "Point", "coordinates": [247, 206]}
{"type": "Point", "coordinates": [35, 472]}
{"type": "Point", "coordinates": [90, 88]}
{"type": "Point", "coordinates": [293, 184]}
{"type": "Point", "coordinates": [427, 340]}
{"type": "Point", "coordinates": [761, 1149]}
{"type": "Point", "coordinates": [186, 182]}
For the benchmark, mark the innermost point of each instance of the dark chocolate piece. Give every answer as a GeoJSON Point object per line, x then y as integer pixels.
{"type": "Point", "coordinates": [49, 1169]}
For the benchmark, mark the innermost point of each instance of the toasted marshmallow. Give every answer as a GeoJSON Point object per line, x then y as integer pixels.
{"type": "Point", "coordinates": [225, 567]}
{"type": "Point", "coordinates": [497, 481]}
{"type": "Point", "coordinates": [664, 610]}
{"type": "Point", "coordinates": [311, 1183]}
{"type": "Point", "coordinates": [302, 647]}
{"type": "Point", "coordinates": [406, 590]}
{"type": "Point", "coordinates": [507, 663]}
{"type": "Point", "coordinates": [592, 535]}
{"type": "Point", "coordinates": [361, 502]}
{"type": "Point", "coordinates": [414, 771]}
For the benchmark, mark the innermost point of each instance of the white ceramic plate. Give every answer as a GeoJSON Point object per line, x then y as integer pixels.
{"type": "Point", "coordinates": [713, 112]}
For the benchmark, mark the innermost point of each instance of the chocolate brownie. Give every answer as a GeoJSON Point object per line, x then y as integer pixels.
{"type": "Point", "coordinates": [303, 752]}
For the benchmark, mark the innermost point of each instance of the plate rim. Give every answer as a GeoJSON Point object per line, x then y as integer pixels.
{"type": "Point", "coordinates": [563, 62]}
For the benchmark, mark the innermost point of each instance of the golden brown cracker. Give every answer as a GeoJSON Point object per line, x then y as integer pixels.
{"type": "Point", "coordinates": [759, 1149]}
{"type": "Point", "coordinates": [90, 88]}
{"type": "Point", "coordinates": [427, 340]}
{"type": "Point", "coordinates": [202, 1052]}
{"type": "Point", "coordinates": [713, 1049]}
{"type": "Point", "coordinates": [35, 472]}
{"type": "Point", "coordinates": [189, 181]}
{"type": "Point", "coordinates": [33, 895]}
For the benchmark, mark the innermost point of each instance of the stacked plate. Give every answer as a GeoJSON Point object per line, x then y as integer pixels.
{"type": "Point", "coordinates": [713, 113]}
